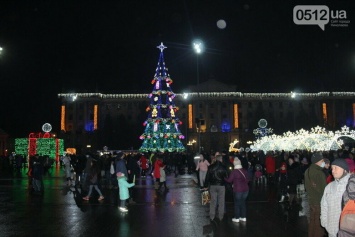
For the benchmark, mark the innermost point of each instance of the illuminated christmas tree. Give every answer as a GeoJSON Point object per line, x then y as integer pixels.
{"type": "Point", "coordinates": [162, 132]}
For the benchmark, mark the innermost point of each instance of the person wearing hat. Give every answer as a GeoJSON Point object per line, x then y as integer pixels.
{"type": "Point", "coordinates": [315, 183]}
{"type": "Point", "coordinates": [239, 178]}
{"type": "Point", "coordinates": [283, 181]}
{"type": "Point", "coordinates": [123, 190]}
{"type": "Point", "coordinates": [349, 195]}
{"type": "Point", "coordinates": [332, 197]}
{"type": "Point", "coordinates": [351, 164]}
{"type": "Point", "coordinates": [327, 171]}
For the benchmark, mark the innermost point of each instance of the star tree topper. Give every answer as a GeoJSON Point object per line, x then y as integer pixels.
{"type": "Point", "coordinates": [161, 47]}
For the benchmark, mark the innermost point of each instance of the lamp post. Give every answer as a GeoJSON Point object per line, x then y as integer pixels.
{"type": "Point", "coordinates": [198, 48]}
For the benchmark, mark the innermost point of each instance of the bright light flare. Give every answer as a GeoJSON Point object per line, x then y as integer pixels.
{"type": "Point", "coordinates": [198, 47]}
{"type": "Point", "coordinates": [293, 94]}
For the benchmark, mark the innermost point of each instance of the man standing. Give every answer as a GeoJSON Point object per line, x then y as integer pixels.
{"type": "Point", "coordinates": [332, 197]}
{"type": "Point", "coordinates": [216, 174]}
{"type": "Point", "coordinates": [37, 173]}
{"type": "Point", "coordinates": [315, 182]}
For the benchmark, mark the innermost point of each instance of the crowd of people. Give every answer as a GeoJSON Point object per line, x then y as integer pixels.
{"type": "Point", "coordinates": [327, 177]}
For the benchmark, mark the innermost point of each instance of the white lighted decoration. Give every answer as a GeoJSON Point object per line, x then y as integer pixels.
{"type": "Point", "coordinates": [317, 139]}
{"type": "Point", "coordinates": [262, 123]}
{"type": "Point", "coordinates": [210, 94]}
{"type": "Point", "coordinates": [231, 146]}
{"type": "Point", "coordinates": [262, 130]}
{"type": "Point", "coordinates": [46, 127]}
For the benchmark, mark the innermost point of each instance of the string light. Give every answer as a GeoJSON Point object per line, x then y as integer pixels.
{"type": "Point", "coordinates": [208, 94]}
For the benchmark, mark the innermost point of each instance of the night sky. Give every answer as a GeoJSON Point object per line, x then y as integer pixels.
{"type": "Point", "coordinates": [66, 46]}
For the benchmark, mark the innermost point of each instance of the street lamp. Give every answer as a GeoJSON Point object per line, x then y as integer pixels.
{"type": "Point", "coordinates": [198, 48]}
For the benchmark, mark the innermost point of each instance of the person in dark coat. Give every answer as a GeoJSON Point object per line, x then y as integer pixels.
{"type": "Point", "coordinates": [215, 180]}
{"type": "Point", "coordinates": [79, 166]}
{"type": "Point", "coordinates": [121, 164]}
{"type": "Point", "coordinates": [132, 170]}
{"type": "Point", "coordinates": [283, 181]}
{"type": "Point", "coordinates": [37, 173]}
{"type": "Point", "coordinates": [293, 176]}
{"type": "Point", "coordinates": [315, 183]}
{"type": "Point", "coordinates": [93, 181]}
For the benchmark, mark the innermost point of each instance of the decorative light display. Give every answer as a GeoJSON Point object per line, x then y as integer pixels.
{"type": "Point", "coordinates": [236, 114]}
{"type": "Point", "coordinates": [213, 94]}
{"type": "Point", "coordinates": [324, 112]}
{"type": "Point", "coordinates": [161, 132]}
{"type": "Point", "coordinates": [225, 126]}
{"type": "Point", "coordinates": [190, 116]}
{"type": "Point", "coordinates": [21, 146]}
{"type": "Point", "coordinates": [41, 144]}
{"type": "Point", "coordinates": [89, 126]}
{"type": "Point", "coordinates": [231, 146]}
{"type": "Point", "coordinates": [95, 116]}
{"type": "Point", "coordinates": [262, 130]}
{"type": "Point", "coordinates": [62, 119]}
{"type": "Point", "coordinates": [46, 128]}
{"type": "Point", "coordinates": [317, 139]}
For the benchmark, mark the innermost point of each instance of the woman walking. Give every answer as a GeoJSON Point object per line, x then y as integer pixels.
{"type": "Point", "coordinates": [239, 178]}
{"type": "Point", "coordinates": [93, 181]}
{"type": "Point", "coordinates": [202, 167]}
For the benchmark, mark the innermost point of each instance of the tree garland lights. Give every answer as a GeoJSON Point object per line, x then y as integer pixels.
{"type": "Point", "coordinates": [317, 139]}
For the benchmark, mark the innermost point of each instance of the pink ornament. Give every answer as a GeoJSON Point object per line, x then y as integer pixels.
{"type": "Point", "coordinates": [157, 85]}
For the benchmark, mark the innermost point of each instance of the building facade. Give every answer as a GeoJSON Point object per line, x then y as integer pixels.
{"type": "Point", "coordinates": [213, 116]}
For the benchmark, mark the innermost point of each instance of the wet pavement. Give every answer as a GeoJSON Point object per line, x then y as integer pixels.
{"type": "Point", "coordinates": [60, 211]}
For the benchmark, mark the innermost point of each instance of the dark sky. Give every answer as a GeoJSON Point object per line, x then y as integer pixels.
{"type": "Point", "coordinates": [65, 46]}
